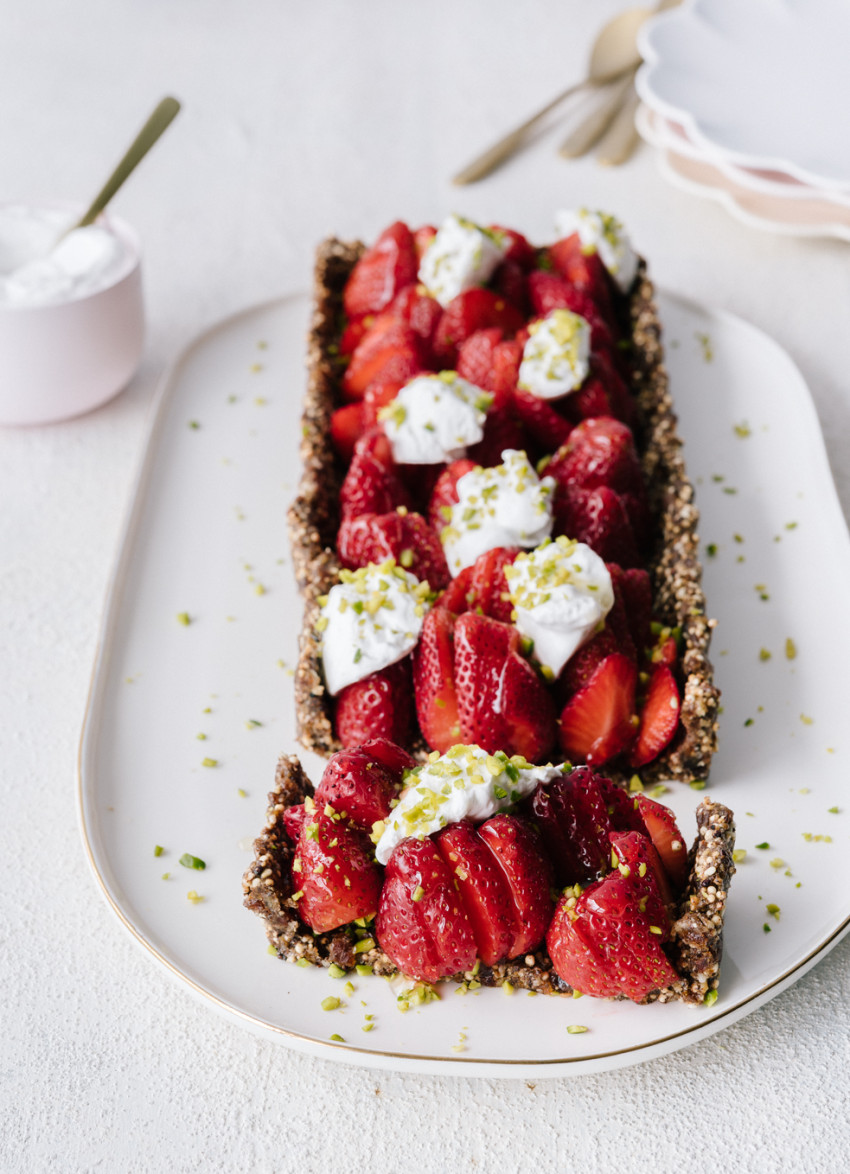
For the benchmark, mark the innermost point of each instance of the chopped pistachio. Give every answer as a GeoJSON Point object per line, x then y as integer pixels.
{"type": "Point", "coordinates": [331, 1003]}
{"type": "Point", "coordinates": [210, 762]}
{"type": "Point", "coordinates": [183, 618]}
{"type": "Point", "coordinates": [158, 848]}
{"type": "Point", "coordinates": [190, 861]}
{"type": "Point", "coordinates": [710, 999]}
{"type": "Point", "coordinates": [576, 1029]}
{"type": "Point", "coordinates": [194, 897]}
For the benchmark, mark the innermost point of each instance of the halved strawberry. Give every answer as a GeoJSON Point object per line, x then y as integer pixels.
{"type": "Point", "coordinates": [378, 706]}
{"type": "Point", "coordinates": [544, 425]}
{"type": "Point", "coordinates": [390, 756]}
{"type": "Point", "coordinates": [422, 925]}
{"type": "Point", "coordinates": [384, 269]}
{"type": "Point", "coordinates": [488, 587]}
{"type": "Point", "coordinates": [599, 518]}
{"type": "Point", "coordinates": [583, 268]}
{"type": "Point", "coordinates": [598, 722]}
{"type": "Point", "coordinates": [346, 428]}
{"type": "Point", "coordinates": [518, 852]}
{"type": "Point", "coordinates": [572, 815]}
{"type": "Point", "coordinates": [502, 703]}
{"type": "Point", "coordinates": [622, 809]}
{"type": "Point", "coordinates": [375, 442]}
{"type": "Point", "coordinates": [456, 597]}
{"type": "Point", "coordinates": [445, 494]}
{"type": "Point", "coordinates": [474, 309]}
{"type": "Point", "coordinates": [635, 590]}
{"type": "Point", "coordinates": [335, 873]}
{"type": "Point", "coordinates": [475, 357]}
{"type": "Point", "coordinates": [406, 537]}
{"type": "Point", "coordinates": [370, 488]}
{"type": "Point", "coordinates": [511, 281]}
{"type": "Point", "coordinates": [575, 959]}
{"type": "Point", "coordinates": [598, 452]}
{"type": "Point", "coordinates": [377, 395]}
{"type": "Point", "coordinates": [422, 238]}
{"type": "Point", "coordinates": [517, 247]}
{"type": "Point", "coordinates": [433, 681]}
{"type": "Point", "coordinates": [357, 787]}
{"type": "Point", "coordinates": [420, 312]}
{"type": "Point", "coordinates": [502, 430]}
{"type": "Point", "coordinates": [388, 351]}
{"type": "Point", "coordinates": [507, 356]}
{"type": "Point", "coordinates": [668, 840]}
{"type": "Point", "coordinates": [659, 717]}
{"type": "Point", "coordinates": [354, 332]}
{"type": "Point", "coordinates": [483, 887]}
{"type": "Point", "coordinates": [293, 820]}
{"type": "Point", "coordinates": [635, 853]}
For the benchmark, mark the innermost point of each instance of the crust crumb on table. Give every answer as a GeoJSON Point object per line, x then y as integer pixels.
{"type": "Point", "coordinates": [697, 932]}
{"type": "Point", "coordinates": [674, 567]}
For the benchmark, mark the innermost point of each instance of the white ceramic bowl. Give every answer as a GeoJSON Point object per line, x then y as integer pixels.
{"type": "Point", "coordinates": [66, 358]}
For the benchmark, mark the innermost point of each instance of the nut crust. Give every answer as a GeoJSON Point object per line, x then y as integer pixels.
{"type": "Point", "coordinates": [674, 566]}
{"type": "Point", "coordinates": [697, 933]}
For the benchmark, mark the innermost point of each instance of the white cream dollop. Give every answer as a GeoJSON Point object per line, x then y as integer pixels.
{"type": "Point", "coordinates": [461, 255]}
{"type": "Point", "coordinates": [369, 620]}
{"type": "Point", "coordinates": [464, 783]}
{"type": "Point", "coordinates": [507, 505]}
{"type": "Point", "coordinates": [36, 271]}
{"type": "Point", "coordinates": [561, 594]}
{"type": "Point", "coordinates": [556, 357]}
{"type": "Point", "coordinates": [605, 233]}
{"type": "Point", "coordinates": [434, 418]}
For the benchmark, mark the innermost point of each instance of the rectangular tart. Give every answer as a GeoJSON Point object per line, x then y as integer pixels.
{"type": "Point", "coordinates": [674, 567]}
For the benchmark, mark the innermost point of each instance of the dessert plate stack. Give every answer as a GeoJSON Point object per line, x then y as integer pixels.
{"type": "Point", "coordinates": [745, 104]}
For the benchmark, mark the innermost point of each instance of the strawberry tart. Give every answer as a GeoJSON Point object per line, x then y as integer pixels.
{"type": "Point", "coordinates": [495, 540]}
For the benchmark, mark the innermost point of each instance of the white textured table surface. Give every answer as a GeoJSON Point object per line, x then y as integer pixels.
{"type": "Point", "coordinates": [300, 120]}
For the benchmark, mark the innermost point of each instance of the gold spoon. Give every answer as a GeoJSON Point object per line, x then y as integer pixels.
{"type": "Point", "coordinates": [162, 117]}
{"type": "Point", "coordinates": [613, 55]}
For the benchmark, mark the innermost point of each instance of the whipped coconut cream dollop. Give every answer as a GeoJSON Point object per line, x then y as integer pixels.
{"type": "Point", "coordinates": [556, 357]}
{"type": "Point", "coordinates": [461, 255]}
{"type": "Point", "coordinates": [369, 620]}
{"type": "Point", "coordinates": [605, 234]}
{"type": "Point", "coordinates": [507, 505]}
{"type": "Point", "coordinates": [35, 270]}
{"type": "Point", "coordinates": [464, 783]}
{"type": "Point", "coordinates": [561, 594]}
{"type": "Point", "coordinates": [434, 418]}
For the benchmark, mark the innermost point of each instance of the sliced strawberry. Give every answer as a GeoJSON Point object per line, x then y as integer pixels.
{"type": "Point", "coordinates": [502, 430]}
{"type": "Point", "coordinates": [370, 488]}
{"type": "Point", "coordinates": [635, 853]}
{"type": "Point", "coordinates": [517, 247]}
{"type": "Point", "coordinates": [598, 452]}
{"type": "Point", "coordinates": [622, 809]}
{"type": "Point", "coordinates": [335, 873]}
{"type": "Point", "coordinates": [420, 312]}
{"type": "Point", "coordinates": [488, 587]}
{"type": "Point", "coordinates": [354, 333]}
{"type": "Point", "coordinates": [614, 916]}
{"type": "Point", "coordinates": [406, 537]}
{"type": "Point", "coordinates": [445, 494]}
{"type": "Point", "coordinates": [475, 357]}
{"type": "Point", "coordinates": [599, 518]}
{"type": "Point", "coordinates": [583, 664]}
{"type": "Point", "coordinates": [378, 706]}
{"type": "Point", "coordinates": [378, 395]}
{"type": "Point", "coordinates": [668, 840]}
{"type": "Point", "coordinates": [484, 890]}
{"type": "Point", "coordinates": [502, 703]}
{"type": "Point", "coordinates": [507, 356]}
{"type": "Point", "coordinates": [346, 428]}
{"type": "Point", "coordinates": [388, 351]}
{"type": "Point", "coordinates": [293, 820]}
{"type": "Point", "coordinates": [589, 401]}
{"type": "Point", "coordinates": [456, 597]}
{"type": "Point", "coordinates": [474, 309]}
{"type": "Point", "coordinates": [357, 787]}
{"type": "Point", "coordinates": [659, 718]}
{"type": "Point", "coordinates": [572, 815]}
{"type": "Point", "coordinates": [511, 281]}
{"type": "Point", "coordinates": [636, 592]}
{"type": "Point", "coordinates": [598, 722]}
{"type": "Point", "coordinates": [375, 442]}
{"type": "Point", "coordinates": [544, 425]}
{"type": "Point", "coordinates": [519, 854]}
{"type": "Point", "coordinates": [422, 925]}
{"type": "Point", "coordinates": [384, 269]}
{"type": "Point", "coordinates": [422, 238]}
{"type": "Point", "coordinates": [574, 959]}
{"type": "Point", "coordinates": [433, 681]}
{"type": "Point", "coordinates": [607, 366]}
{"type": "Point", "coordinates": [665, 652]}
{"type": "Point", "coordinates": [391, 757]}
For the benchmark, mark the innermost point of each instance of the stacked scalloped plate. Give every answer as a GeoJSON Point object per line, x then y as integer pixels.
{"type": "Point", "coordinates": [746, 103]}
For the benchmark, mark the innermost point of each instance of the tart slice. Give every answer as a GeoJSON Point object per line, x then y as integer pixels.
{"type": "Point", "coordinates": [488, 425]}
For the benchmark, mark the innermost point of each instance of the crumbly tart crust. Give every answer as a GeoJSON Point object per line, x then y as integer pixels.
{"type": "Point", "coordinates": [697, 933]}
{"type": "Point", "coordinates": [674, 568]}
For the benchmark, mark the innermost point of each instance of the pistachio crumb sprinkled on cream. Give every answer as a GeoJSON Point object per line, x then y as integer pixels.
{"type": "Point", "coordinates": [556, 357]}
{"type": "Point", "coordinates": [434, 418]}
{"type": "Point", "coordinates": [461, 255]}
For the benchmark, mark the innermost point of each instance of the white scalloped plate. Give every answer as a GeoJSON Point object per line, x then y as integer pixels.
{"type": "Point", "coordinates": [206, 530]}
{"type": "Point", "coordinates": [764, 82]}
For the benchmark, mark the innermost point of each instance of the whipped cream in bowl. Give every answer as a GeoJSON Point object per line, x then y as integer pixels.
{"type": "Point", "coordinates": [464, 783]}
{"type": "Point", "coordinates": [604, 234]}
{"type": "Point", "coordinates": [71, 312]}
{"type": "Point", "coordinates": [561, 593]}
{"type": "Point", "coordinates": [369, 620]}
{"type": "Point", "coordinates": [507, 505]}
